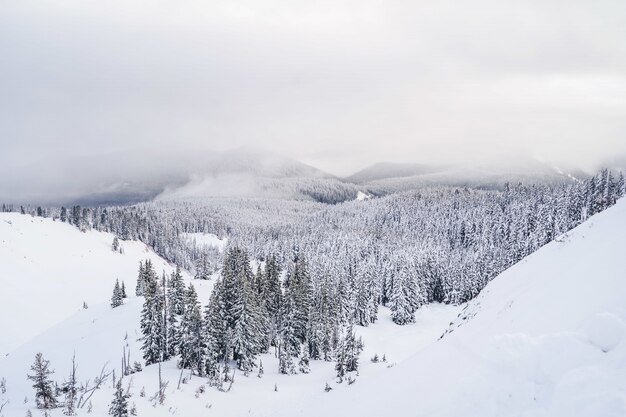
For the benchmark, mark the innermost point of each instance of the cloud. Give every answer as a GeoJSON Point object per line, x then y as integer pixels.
{"type": "Point", "coordinates": [339, 84]}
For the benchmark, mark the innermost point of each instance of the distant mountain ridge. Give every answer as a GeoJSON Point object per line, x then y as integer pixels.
{"type": "Point", "coordinates": [384, 170]}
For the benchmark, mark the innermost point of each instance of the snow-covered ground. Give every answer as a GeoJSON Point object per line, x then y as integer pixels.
{"type": "Point", "coordinates": [207, 239]}
{"type": "Point", "coordinates": [49, 268]}
{"type": "Point", "coordinates": [545, 338]}
{"type": "Point", "coordinates": [362, 196]}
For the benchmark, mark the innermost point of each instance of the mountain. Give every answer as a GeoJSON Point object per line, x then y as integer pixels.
{"type": "Point", "coordinates": [385, 170]}
{"type": "Point", "coordinates": [389, 178]}
{"type": "Point", "coordinates": [132, 176]}
{"type": "Point", "coordinates": [245, 173]}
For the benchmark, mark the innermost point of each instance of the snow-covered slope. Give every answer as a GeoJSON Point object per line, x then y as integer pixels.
{"type": "Point", "coordinates": [545, 338]}
{"type": "Point", "coordinates": [50, 268]}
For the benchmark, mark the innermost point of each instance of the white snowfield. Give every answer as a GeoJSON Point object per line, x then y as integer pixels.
{"type": "Point", "coordinates": [207, 239]}
{"type": "Point", "coordinates": [50, 268]}
{"type": "Point", "coordinates": [545, 338]}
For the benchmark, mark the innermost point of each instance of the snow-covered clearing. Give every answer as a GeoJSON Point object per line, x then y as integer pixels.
{"type": "Point", "coordinates": [207, 239]}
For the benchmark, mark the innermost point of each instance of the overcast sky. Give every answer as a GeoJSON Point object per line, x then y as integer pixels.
{"type": "Point", "coordinates": [337, 84]}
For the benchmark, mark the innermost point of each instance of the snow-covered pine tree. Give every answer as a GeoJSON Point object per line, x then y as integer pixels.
{"type": "Point", "coordinates": [153, 323]}
{"type": "Point", "coordinates": [289, 342]}
{"type": "Point", "coordinates": [247, 332]}
{"type": "Point", "coordinates": [304, 365]}
{"type": "Point", "coordinates": [141, 282]}
{"type": "Point", "coordinates": [402, 310]}
{"type": "Point", "coordinates": [123, 288]}
{"type": "Point", "coordinates": [117, 299]}
{"type": "Point", "coordinates": [348, 353]}
{"type": "Point", "coordinates": [45, 395]}
{"type": "Point", "coordinates": [119, 405]}
{"type": "Point", "coordinates": [203, 267]}
{"type": "Point", "coordinates": [285, 361]}
{"type": "Point", "coordinates": [175, 309]}
{"type": "Point", "coordinates": [298, 295]}
{"type": "Point", "coordinates": [191, 344]}
{"type": "Point", "coordinates": [214, 332]}
{"type": "Point", "coordinates": [272, 294]}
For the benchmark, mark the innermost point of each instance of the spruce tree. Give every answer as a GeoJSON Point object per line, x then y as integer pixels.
{"type": "Point", "coordinates": [141, 282]}
{"type": "Point", "coordinates": [402, 310]}
{"type": "Point", "coordinates": [191, 344]}
{"type": "Point", "coordinates": [117, 299]}
{"type": "Point", "coordinates": [304, 365]}
{"type": "Point", "coordinates": [153, 323]}
{"type": "Point", "coordinates": [119, 405]}
{"type": "Point", "coordinates": [45, 395]}
{"type": "Point", "coordinates": [203, 268]}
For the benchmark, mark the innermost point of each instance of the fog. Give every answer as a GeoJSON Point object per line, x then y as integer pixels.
{"type": "Point", "coordinates": [96, 93]}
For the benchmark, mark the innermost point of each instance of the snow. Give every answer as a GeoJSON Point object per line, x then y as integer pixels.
{"type": "Point", "coordinates": [545, 338]}
{"type": "Point", "coordinates": [52, 265]}
{"type": "Point", "coordinates": [362, 196]}
{"type": "Point", "coordinates": [207, 239]}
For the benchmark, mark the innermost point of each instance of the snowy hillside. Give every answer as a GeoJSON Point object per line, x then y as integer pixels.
{"type": "Point", "coordinates": [54, 268]}
{"type": "Point", "coordinates": [545, 338]}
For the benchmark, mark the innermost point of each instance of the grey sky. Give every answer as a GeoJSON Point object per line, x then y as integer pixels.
{"type": "Point", "coordinates": [338, 84]}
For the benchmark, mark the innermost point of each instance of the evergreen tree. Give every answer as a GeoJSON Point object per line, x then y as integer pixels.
{"type": "Point", "coordinates": [153, 323]}
{"type": "Point", "coordinates": [191, 345]}
{"type": "Point", "coordinates": [402, 310]}
{"type": "Point", "coordinates": [285, 361]}
{"type": "Point", "coordinates": [117, 299]}
{"type": "Point", "coordinates": [44, 387]}
{"type": "Point", "coordinates": [272, 294]}
{"type": "Point", "coordinates": [246, 334]}
{"type": "Point", "coordinates": [203, 267]}
{"type": "Point", "coordinates": [304, 364]}
{"type": "Point", "coordinates": [175, 309]}
{"type": "Point", "coordinates": [215, 332]}
{"type": "Point", "coordinates": [141, 282]}
{"type": "Point", "coordinates": [124, 295]}
{"type": "Point", "coordinates": [119, 405]}
{"type": "Point", "coordinates": [348, 354]}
